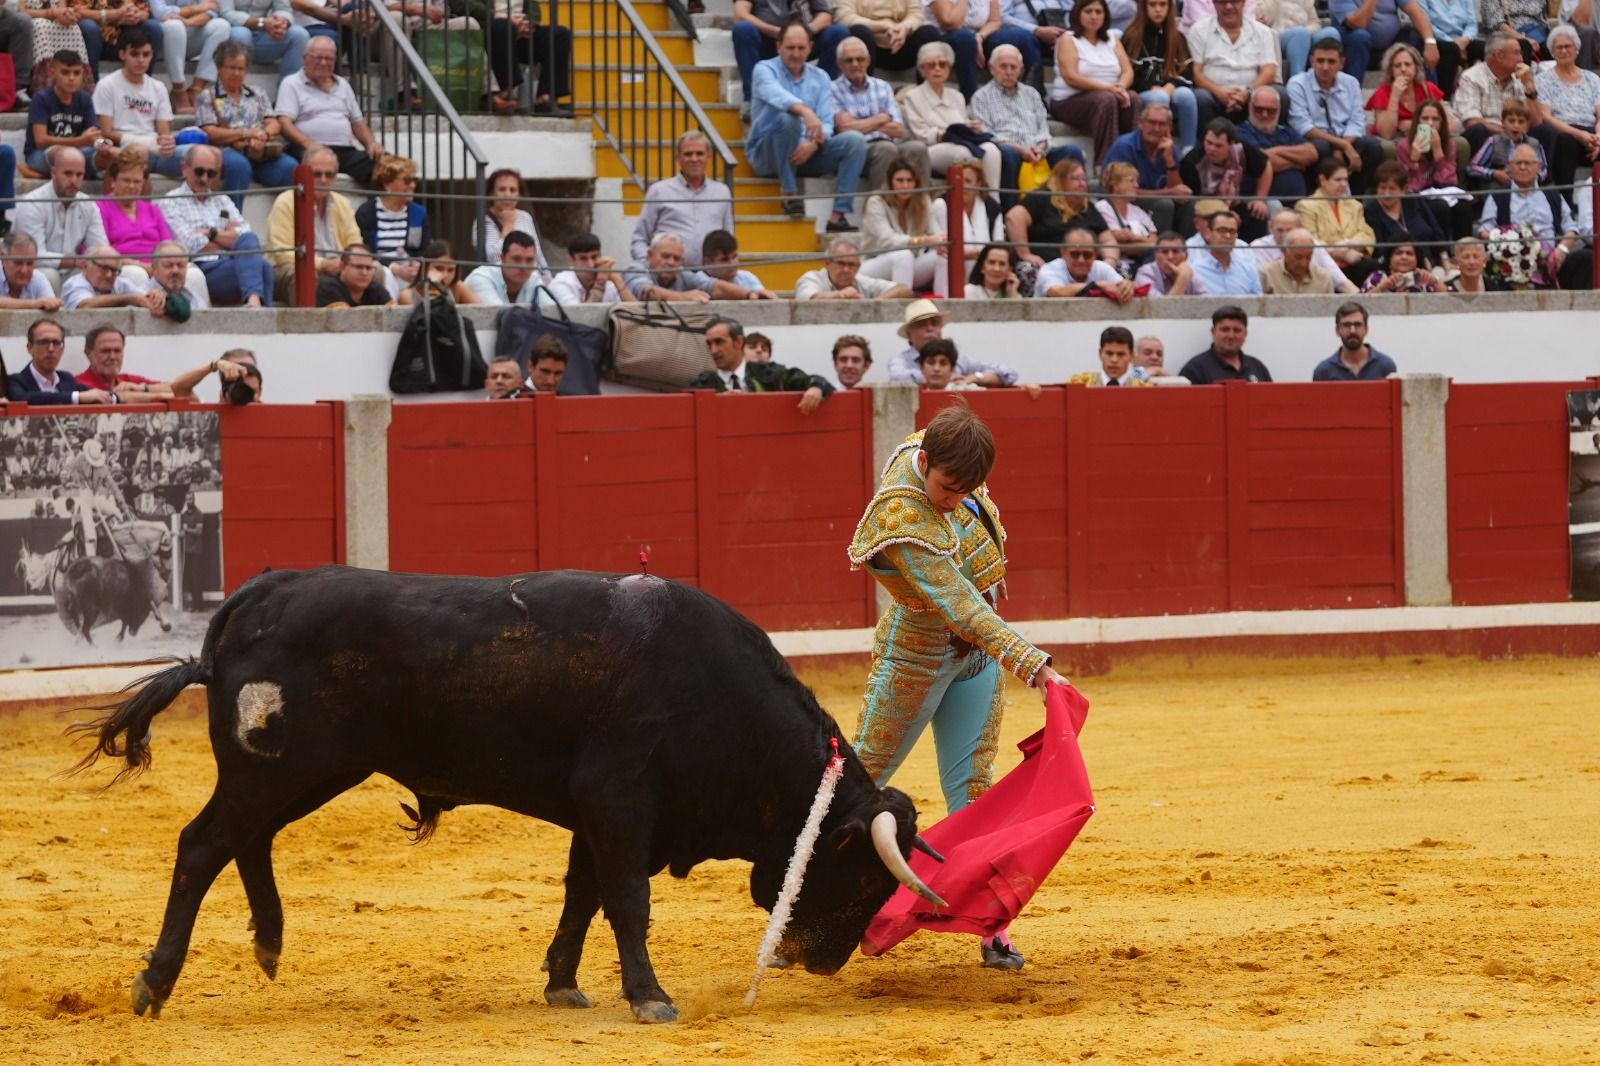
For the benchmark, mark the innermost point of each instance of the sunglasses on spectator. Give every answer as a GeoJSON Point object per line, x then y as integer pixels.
{"type": "Point", "coordinates": [203, 172]}
{"type": "Point", "coordinates": [937, 63]}
{"type": "Point", "coordinates": [1081, 253]}
{"type": "Point", "coordinates": [325, 174]}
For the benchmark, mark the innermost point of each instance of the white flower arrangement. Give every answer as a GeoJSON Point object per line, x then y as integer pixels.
{"type": "Point", "coordinates": [1516, 255]}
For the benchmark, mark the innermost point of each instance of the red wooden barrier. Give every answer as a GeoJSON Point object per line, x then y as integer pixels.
{"type": "Point", "coordinates": [282, 488]}
{"type": "Point", "coordinates": [1507, 497]}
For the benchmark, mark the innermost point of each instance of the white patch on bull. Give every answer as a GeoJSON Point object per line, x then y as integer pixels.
{"type": "Point", "coordinates": [639, 582]}
{"type": "Point", "coordinates": [259, 702]}
{"type": "Point", "coordinates": [518, 600]}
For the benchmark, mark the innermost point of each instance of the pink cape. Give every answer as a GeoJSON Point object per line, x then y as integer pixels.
{"type": "Point", "coordinates": [999, 849]}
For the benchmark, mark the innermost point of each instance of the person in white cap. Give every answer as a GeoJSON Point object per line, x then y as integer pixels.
{"type": "Point", "coordinates": [925, 322]}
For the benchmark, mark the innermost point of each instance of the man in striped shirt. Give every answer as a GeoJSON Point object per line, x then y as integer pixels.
{"type": "Point", "coordinates": [866, 105]}
{"type": "Point", "coordinates": [212, 231]}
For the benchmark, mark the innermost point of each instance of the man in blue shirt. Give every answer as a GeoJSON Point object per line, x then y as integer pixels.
{"type": "Point", "coordinates": [1150, 150]}
{"type": "Point", "coordinates": [791, 129]}
{"type": "Point", "coordinates": [1367, 27]}
{"type": "Point", "coordinates": [1325, 108]}
{"type": "Point", "coordinates": [1224, 268]}
{"type": "Point", "coordinates": [758, 25]}
{"type": "Point", "coordinates": [1356, 360]}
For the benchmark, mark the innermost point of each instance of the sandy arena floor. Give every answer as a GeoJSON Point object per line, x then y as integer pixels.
{"type": "Point", "coordinates": [1311, 862]}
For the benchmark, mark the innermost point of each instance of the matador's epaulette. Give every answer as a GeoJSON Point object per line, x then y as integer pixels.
{"type": "Point", "coordinates": [901, 514]}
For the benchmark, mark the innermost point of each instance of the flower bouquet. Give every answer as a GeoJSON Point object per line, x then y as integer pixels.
{"type": "Point", "coordinates": [1516, 255]}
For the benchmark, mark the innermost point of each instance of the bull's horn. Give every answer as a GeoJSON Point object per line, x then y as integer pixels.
{"type": "Point", "coordinates": [926, 848]}
{"type": "Point", "coordinates": [884, 834]}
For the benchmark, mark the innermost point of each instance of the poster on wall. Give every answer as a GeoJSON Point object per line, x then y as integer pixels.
{"type": "Point", "coordinates": [111, 532]}
{"type": "Point", "coordinates": [1583, 492]}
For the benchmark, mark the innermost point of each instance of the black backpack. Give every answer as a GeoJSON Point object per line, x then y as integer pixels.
{"type": "Point", "coordinates": [438, 350]}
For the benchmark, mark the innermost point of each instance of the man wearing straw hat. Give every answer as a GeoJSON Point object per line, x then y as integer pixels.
{"type": "Point", "coordinates": [925, 322]}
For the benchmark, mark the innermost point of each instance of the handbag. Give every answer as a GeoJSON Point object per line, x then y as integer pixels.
{"type": "Point", "coordinates": [1050, 17]}
{"type": "Point", "coordinates": [1032, 175]}
{"type": "Point", "coordinates": [517, 328]}
{"type": "Point", "coordinates": [658, 350]}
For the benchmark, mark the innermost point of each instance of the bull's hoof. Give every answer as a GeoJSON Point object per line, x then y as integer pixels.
{"type": "Point", "coordinates": [566, 997]}
{"type": "Point", "coordinates": [166, 627]}
{"type": "Point", "coordinates": [652, 1011]}
{"type": "Point", "coordinates": [267, 959]}
{"type": "Point", "coordinates": [145, 998]}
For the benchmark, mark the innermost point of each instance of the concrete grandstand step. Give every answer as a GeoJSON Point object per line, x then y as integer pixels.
{"type": "Point", "coordinates": [623, 47]}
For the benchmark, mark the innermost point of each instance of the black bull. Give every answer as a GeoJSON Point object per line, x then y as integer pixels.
{"type": "Point", "coordinates": [653, 721]}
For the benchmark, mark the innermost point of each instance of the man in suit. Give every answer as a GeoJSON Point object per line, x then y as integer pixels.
{"type": "Point", "coordinates": [733, 373]}
{"type": "Point", "coordinates": [38, 382]}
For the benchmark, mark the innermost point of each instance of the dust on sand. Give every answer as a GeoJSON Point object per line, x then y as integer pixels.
{"type": "Point", "coordinates": [1311, 862]}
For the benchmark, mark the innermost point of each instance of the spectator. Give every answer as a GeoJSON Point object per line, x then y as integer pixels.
{"type": "Point", "coordinates": [1290, 154]}
{"type": "Point", "coordinates": [354, 285]}
{"type": "Point", "coordinates": [39, 382]}
{"type": "Point", "coordinates": [130, 223]}
{"type": "Point", "coordinates": [1094, 79]}
{"type": "Point", "coordinates": [238, 119]}
{"type": "Point", "coordinates": [840, 279]}
{"type": "Point", "coordinates": [1169, 272]}
{"type": "Point", "coordinates": [662, 276]}
{"type": "Point", "coordinates": [1293, 273]}
{"type": "Point", "coordinates": [1569, 100]}
{"type": "Point", "coordinates": [852, 358]}
{"type": "Point", "coordinates": [1404, 88]}
{"type": "Point", "coordinates": [1224, 265]}
{"type": "Point", "coordinates": [593, 277]}
{"type": "Point", "coordinates": [1394, 219]}
{"type": "Point", "coordinates": [1338, 222]}
{"type": "Point", "coordinates": [61, 220]}
{"type": "Point", "coordinates": [719, 257]}
{"type": "Point", "coordinates": [937, 361]}
{"type": "Point", "coordinates": [63, 115]}
{"type": "Point", "coordinates": [1152, 152]}
{"type": "Point", "coordinates": [317, 106]}
{"type": "Point", "coordinates": [1404, 271]}
{"type": "Point", "coordinates": [169, 273]}
{"type": "Point", "coordinates": [238, 375]}
{"type": "Point", "coordinates": [964, 26]}
{"type": "Point", "coordinates": [1297, 24]}
{"type": "Point", "coordinates": [340, 21]}
{"type": "Point", "coordinates": [1355, 359]}
{"type": "Point", "coordinates": [994, 275]}
{"type": "Point", "coordinates": [1325, 109]}
{"type": "Point", "coordinates": [981, 219]}
{"type": "Point", "coordinates": [547, 364]}
{"type": "Point", "coordinates": [1150, 355]}
{"type": "Point", "coordinates": [1116, 362]}
{"type": "Point", "coordinates": [440, 275]}
{"type": "Point", "coordinates": [733, 373]}
{"type": "Point", "coordinates": [758, 28]}
{"type": "Point", "coordinates": [53, 27]}
{"type": "Point", "coordinates": [1191, 12]}
{"type": "Point", "coordinates": [25, 288]}
{"type": "Point", "coordinates": [134, 109]}
{"type": "Point", "coordinates": [1428, 155]}
{"type": "Point", "coordinates": [1491, 162]}
{"type": "Point", "coordinates": [266, 27]}
{"type": "Point", "coordinates": [1523, 20]}
{"type": "Point", "coordinates": [503, 380]}
{"type": "Point", "coordinates": [903, 234]}
{"type": "Point", "coordinates": [1045, 215]}
{"type": "Point", "coordinates": [1232, 55]}
{"type": "Point", "coordinates": [1269, 248]}
{"type": "Point", "coordinates": [104, 347]}
{"type": "Point", "coordinates": [792, 134]}
{"type": "Point", "coordinates": [925, 322]}
{"type": "Point", "coordinates": [394, 227]}
{"type": "Point", "coordinates": [867, 105]}
{"type": "Point", "coordinates": [1547, 213]}
{"type": "Point", "coordinates": [1127, 223]}
{"type": "Point", "coordinates": [1486, 87]}
{"type": "Point", "coordinates": [522, 39]}
{"type": "Point", "coordinates": [1235, 173]}
{"type": "Point", "coordinates": [1579, 14]}
{"type": "Point", "coordinates": [334, 222]}
{"type": "Point", "coordinates": [758, 348]}
{"type": "Point", "coordinates": [189, 31]}
{"type": "Point", "coordinates": [1162, 70]}
{"type": "Point", "coordinates": [1367, 26]}
{"type": "Point", "coordinates": [16, 41]}
{"type": "Point", "coordinates": [688, 204]}
{"type": "Point", "coordinates": [100, 283]}
{"type": "Point", "coordinates": [512, 283]}
{"type": "Point", "coordinates": [1471, 262]}
{"type": "Point", "coordinates": [1455, 29]}
{"type": "Point", "coordinates": [504, 217]}
{"type": "Point", "coordinates": [889, 33]}
{"type": "Point", "coordinates": [1226, 360]}
{"type": "Point", "coordinates": [1034, 26]}
{"type": "Point", "coordinates": [938, 114]}
{"type": "Point", "coordinates": [213, 230]}
{"type": "Point", "coordinates": [1079, 272]}
{"type": "Point", "coordinates": [1016, 117]}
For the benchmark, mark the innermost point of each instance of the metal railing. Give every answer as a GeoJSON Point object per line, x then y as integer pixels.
{"type": "Point", "coordinates": [638, 102]}
{"type": "Point", "coordinates": [416, 117]}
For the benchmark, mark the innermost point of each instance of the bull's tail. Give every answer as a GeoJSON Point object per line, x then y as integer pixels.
{"type": "Point", "coordinates": [124, 730]}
